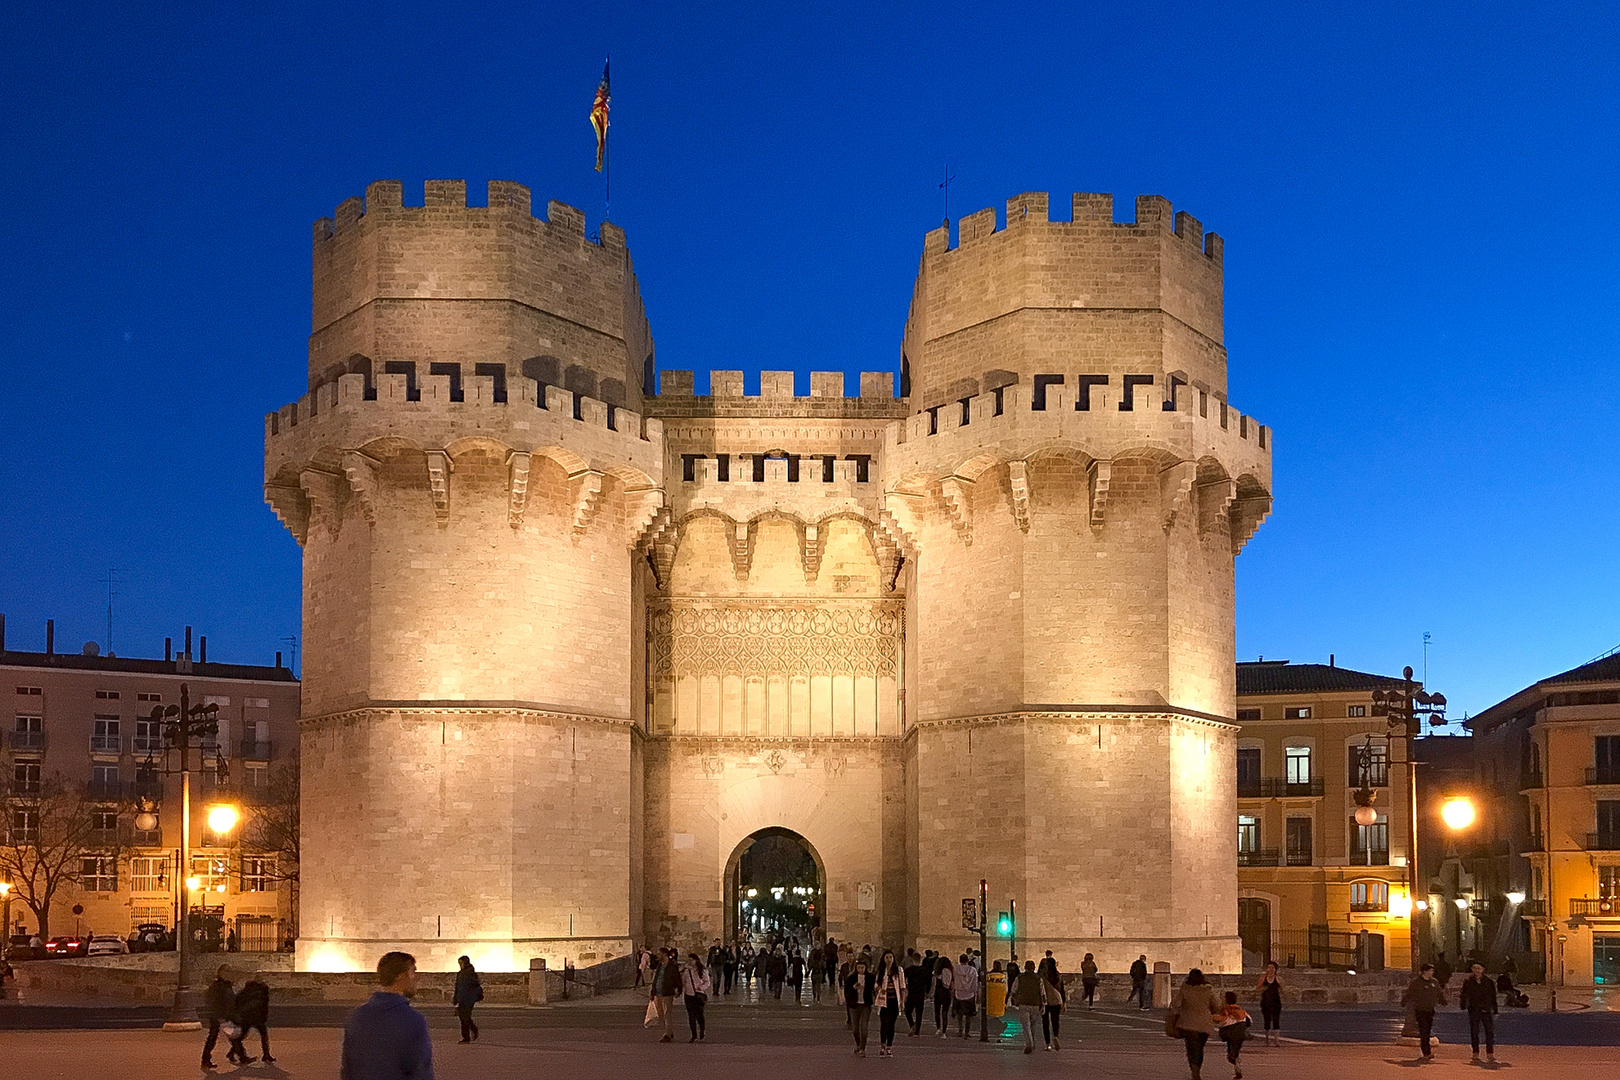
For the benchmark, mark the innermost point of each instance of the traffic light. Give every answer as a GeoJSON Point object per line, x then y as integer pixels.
{"type": "Point", "coordinates": [1004, 925]}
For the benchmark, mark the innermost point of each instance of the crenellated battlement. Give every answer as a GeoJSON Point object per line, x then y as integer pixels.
{"type": "Point", "coordinates": [829, 396]}
{"type": "Point", "coordinates": [1100, 416]}
{"type": "Point", "coordinates": [874, 385]}
{"type": "Point", "coordinates": [1089, 212]}
{"type": "Point", "coordinates": [506, 198]}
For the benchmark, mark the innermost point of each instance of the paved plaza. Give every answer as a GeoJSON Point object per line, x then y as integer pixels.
{"type": "Point", "coordinates": [604, 1038]}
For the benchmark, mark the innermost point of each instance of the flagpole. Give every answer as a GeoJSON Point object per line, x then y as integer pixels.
{"type": "Point", "coordinates": [607, 156]}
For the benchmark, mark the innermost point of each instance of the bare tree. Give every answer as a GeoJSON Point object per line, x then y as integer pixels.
{"type": "Point", "coordinates": [48, 835]}
{"type": "Point", "coordinates": [272, 828]}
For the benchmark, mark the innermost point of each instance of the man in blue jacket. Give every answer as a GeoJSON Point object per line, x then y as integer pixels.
{"type": "Point", "coordinates": [387, 1039]}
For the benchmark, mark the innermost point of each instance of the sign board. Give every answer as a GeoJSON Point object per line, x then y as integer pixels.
{"type": "Point", "coordinates": [970, 914]}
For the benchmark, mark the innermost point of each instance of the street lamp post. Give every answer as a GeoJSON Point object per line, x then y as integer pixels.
{"type": "Point", "coordinates": [1406, 705]}
{"type": "Point", "coordinates": [182, 725]}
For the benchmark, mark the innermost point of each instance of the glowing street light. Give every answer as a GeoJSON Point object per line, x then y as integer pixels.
{"type": "Point", "coordinates": [1457, 812]}
{"type": "Point", "coordinates": [1462, 903]}
{"type": "Point", "coordinates": [193, 883]}
{"type": "Point", "coordinates": [1516, 896]}
{"type": "Point", "coordinates": [222, 818]}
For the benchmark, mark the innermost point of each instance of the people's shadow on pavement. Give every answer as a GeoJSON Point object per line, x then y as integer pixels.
{"type": "Point", "coordinates": [1408, 1063]}
{"type": "Point", "coordinates": [256, 1069]}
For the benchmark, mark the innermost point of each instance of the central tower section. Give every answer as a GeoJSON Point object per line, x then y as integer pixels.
{"type": "Point", "coordinates": [1070, 491]}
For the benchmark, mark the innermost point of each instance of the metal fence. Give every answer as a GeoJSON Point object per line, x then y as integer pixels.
{"type": "Point", "coordinates": [1331, 950]}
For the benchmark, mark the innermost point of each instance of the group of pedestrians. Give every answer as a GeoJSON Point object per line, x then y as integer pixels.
{"type": "Point", "coordinates": [1427, 992]}
{"type": "Point", "coordinates": [236, 1014]}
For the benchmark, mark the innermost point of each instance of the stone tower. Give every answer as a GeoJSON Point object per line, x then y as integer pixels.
{"type": "Point", "coordinates": [577, 637]}
{"type": "Point", "coordinates": [468, 476]}
{"type": "Point", "coordinates": [1070, 492]}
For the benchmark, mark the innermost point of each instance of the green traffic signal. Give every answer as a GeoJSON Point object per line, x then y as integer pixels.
{"type": "Point", "coordinates": [1004, 925]}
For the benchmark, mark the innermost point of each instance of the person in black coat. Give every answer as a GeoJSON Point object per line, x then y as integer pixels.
{"type": "Point", "coordinates": [469, 991]}
{"type": "Point", "coordinates": [219, 1002]}
{"type": "Point", "coordinates": [252, 1011]}
{"type": "Point", "coordinates": [1478, 999]}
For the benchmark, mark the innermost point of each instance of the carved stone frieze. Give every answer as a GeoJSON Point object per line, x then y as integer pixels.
{"type": "Point", "coordinates": [775, 637]}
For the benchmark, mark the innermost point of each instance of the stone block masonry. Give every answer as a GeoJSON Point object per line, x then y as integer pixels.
{"type": "Point", "coordinates": [573, 646]}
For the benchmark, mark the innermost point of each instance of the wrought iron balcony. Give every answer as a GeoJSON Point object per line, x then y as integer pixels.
{"type": "Point", "coordinates": [254, 750]}
{"type": "Point", "coordinates": [1595, 775]}
{"type": "Point", "coordinates": [1379, 906]}
{"type": "Point", "coordinates": [1537, 842]}
{"type": "Point", "coordinates": [25, 789]}
{"type": "Point", "coordinates": [147, 744]}
{"type": "Point", "coordinates": [1278, 787]}
{"type": "Point", "coordinates": [31, 742]}
{"type": "Point", "coordinates": [1299, 858]}
{"type": "Point", "coordinates": [146, 838]}
{"type": "Point", "coordinates": [1529, 781]}
{"type": "Point", "coordinates": [1533, 909]}
{"type": "Point", "coordinates": [106, 744]}
{"type": "Point", "coordinates": [1259, 857]}
{"type": "Point", "coordinates": [1607, 907]}
{"type": "Point", "coordinates": [1379, 857]}
{"type": "Point", "coordinates": [107, 789]}
{"type": "Point", "coordinates": [1603, 841]}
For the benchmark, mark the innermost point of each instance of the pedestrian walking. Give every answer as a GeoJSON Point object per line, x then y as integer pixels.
{"type": "Point", "coordinates": [1233, 1024]}
{"type": "Point", "coordinates": [729, 967]}
{"type": "Point", "coordinates": [469, 991]}
{"type": "Point", "coordinates": [666, 983]}
{"type": "Point", "coordinates": [1423, 996]}
{"type": "Point", "coordinates": [695, 990]}
{"type": "Point", "coordinates": [219, 1003]}
{"type": "Point", "coordinates": [1139, 982]}
{"type": "Point", "coordinates": [944, 975]}
{"type": "Point", "coordinates": [917, 979]}
{"type": "Point", "coordinates": [1053, 998]}
{"type": "Point", "coordinates": [1478, 998]}
{"type": "Point", "coordinates": [7, 973]}
{"type": "Point", "coordinates": [829, 963]}
{"type": "Point", "coordinates": [890, 993]}
{"type": "Point", "coordinates": [1192, 1017]}
{"type": "Point", "coordinates": [252, 1011]}
{"type": "Point", "coordinates": [385, 1038]}
{"type": "Point", "coordinates": [643, 967]}
{"type": "Point", "coordinates": [1088, 980]}
{"type": "Point", "coordinates": [717, 966]}
{"type": "Point", "coordinates": [965, 993]}
{"type": "Point", "coordinates": [860, 991]}
{"type": "Point", "coordinates": [1270, 990]}
{"type": "Point", "coordinates": [818, 974]}
{"type": "Point", "coordinates": [796, 974]}
{"type": "Point", "coordinates": [1027, 998]}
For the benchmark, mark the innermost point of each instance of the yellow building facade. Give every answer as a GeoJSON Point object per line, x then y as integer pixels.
{"type": "Point", "coordinates": [1557, 744]}
{"type": "Point", "coordinates": [1311, 880]}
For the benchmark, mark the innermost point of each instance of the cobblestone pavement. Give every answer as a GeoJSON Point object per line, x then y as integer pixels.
{"type": "Point", "coordinates": [604, 1038]}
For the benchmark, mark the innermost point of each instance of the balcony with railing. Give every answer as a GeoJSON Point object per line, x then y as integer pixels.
{"type": "Point", "coordinates": [1363, 857]}
{"type": "Point", "coordinates": [106, 790]}
{"type": "Point", "coordinates": [105, 839]}
{"type": "Point", "coordinates": [1280, 787]}
{"type": "Point", "coordinates": [106, 744]}
{"type": "Point", "coordinates": [1533, 908]}
{"type": "Point", "coordinates": [1605, 907]}
{"type": "Point", "coordinates": [1603, 841]}
{"type": "Point", "coordinates": [143, 745]}
{"type": "Point", "coordinates": [27, 742]}
{"type": "Point", "coordinates": [24, 789]}
{"type": "Point", "coordinates": [1298, 858]}
{"type": "Point", "coordinates": [1596, 775]}
{"type": "Point", "coordinates": [1259, 857]}
{"type": "Point", "coordinates": [253, 750]}
{"type": "Point", "coordinates": [1537, 842]}
{"type": "Point", "coordinates": [1529, 781]}
{"type": "Point", "coordinates": [146, 838]}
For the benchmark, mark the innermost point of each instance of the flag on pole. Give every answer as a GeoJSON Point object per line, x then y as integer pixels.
{"type": "Point", "coordinates": [599, 116]}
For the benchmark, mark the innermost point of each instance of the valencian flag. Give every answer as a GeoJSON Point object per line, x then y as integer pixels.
{"type": "Point", "coordinates": [599, 116]}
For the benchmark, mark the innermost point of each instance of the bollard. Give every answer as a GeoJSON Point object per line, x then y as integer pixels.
{"type": "Point", "coordinates": [1161, 984]}
{"type": "Point", "coordinates": [537, 981]}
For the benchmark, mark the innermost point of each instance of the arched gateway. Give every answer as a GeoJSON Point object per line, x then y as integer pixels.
{"type": "Point", "coordinates": [775, 882]}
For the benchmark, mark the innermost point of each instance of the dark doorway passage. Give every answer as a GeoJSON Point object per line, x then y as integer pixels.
{"type": "Point", "coordinates": [775, 888]}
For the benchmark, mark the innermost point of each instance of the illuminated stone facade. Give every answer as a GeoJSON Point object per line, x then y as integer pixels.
{"type": "Point", "coordinates": [571, 643]}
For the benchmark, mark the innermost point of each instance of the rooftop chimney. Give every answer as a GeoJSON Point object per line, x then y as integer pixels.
{"type": "Point", "coordinates": [2, 633]}
{"type": "Point", "coordinates": [50, 637]}
{"type": "Point", "coordinates": [187, 653]}
{"type": "Point", "coordinates": [203, 650]}
{"type": "Point", "coordinates": [168, 649]}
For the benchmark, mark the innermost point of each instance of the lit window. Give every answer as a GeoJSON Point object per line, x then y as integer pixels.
{"type": "Point", "coordinates": [98, 873]}
{"type": "Point", "coordinates": [106, 695]}
{"type": "Point", "coordinates": [1297, 712]}
{"type": "Point", "coordinates": [258, 873]}
{"type": "Point", "coordinates": [1356, 710]}
{"type": "Point", "coordinates": [1369, 896]}
{"type": "Point", "coordinates": [1297, 763]}
{"type": "Point", "coordinates": [148, 873]}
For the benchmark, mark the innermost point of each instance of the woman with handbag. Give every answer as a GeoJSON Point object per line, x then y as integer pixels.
{"type": "Point", "coordinates": [1052, 999]}
{"type": "Point", "coordinates": [1192, 1017]}
{"type": "Point", "coordinates": [695, 987]}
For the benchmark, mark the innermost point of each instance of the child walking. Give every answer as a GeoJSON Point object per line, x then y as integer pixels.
{"type": "Point", "coordinates": [1233, 1024]}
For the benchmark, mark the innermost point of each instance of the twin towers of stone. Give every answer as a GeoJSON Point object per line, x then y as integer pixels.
{"type": "Point", "coordinates": [576, 636]}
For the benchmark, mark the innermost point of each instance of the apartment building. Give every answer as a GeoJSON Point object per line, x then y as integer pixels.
{"type": "Point", "coordinates": [1311, 880]}
{"type": "Point", "coordinates": [1551, 754]}
{"type": "Point", "coordinates": [84, 721]}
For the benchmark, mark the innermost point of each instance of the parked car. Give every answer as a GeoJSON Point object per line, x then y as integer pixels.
{"type": "Point", "coordinates": [150, 937]}
{"type": "Point", "coordinates": [67, 945]}
{"type": "Point", "coordinates": [106, 945]}
{"type": "Point", "coordinates": [19, 949]}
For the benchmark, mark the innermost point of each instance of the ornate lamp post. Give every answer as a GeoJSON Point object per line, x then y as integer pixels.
{"type": "Point", "coordinates": [182, 725]}
{"type": "Point", "coordinates": [1406, 706]}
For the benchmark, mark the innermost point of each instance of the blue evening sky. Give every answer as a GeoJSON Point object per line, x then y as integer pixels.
{"type": "Point", "coordinates": [1421, 266]}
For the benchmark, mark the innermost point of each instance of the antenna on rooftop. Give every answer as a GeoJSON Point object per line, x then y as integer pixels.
{"type": "Point", "coordinates": [945, 194]}
{"type": "Point", "coordinates": [292, 641]}
{"type": "Point", "coordinates": [1428, 639]}
{"type": "Point", "coordinates": [110, 580]}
